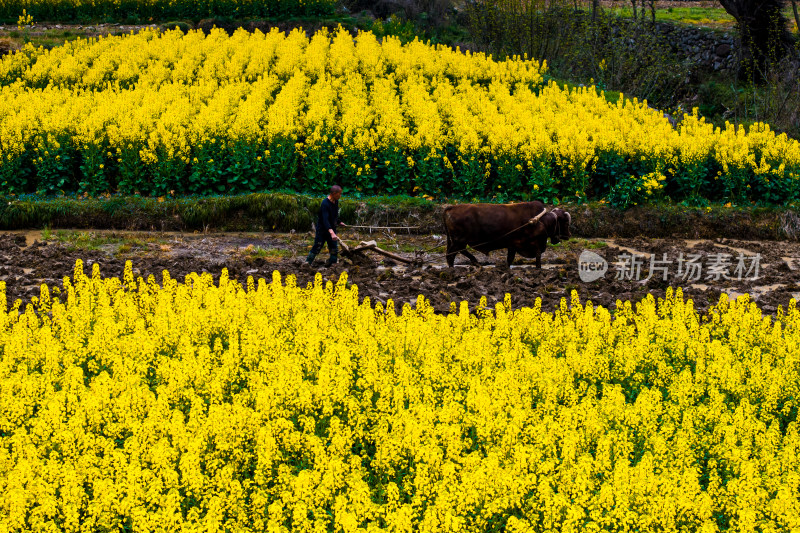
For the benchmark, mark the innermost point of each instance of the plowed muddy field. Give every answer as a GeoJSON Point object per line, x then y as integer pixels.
{"type": "Point", "coordinates": [768, 271]}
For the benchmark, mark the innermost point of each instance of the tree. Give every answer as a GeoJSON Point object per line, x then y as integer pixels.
{"type": "Point", "coordinates": [763, 32]}
{"type": "Point", "coordinates": [796, 15]}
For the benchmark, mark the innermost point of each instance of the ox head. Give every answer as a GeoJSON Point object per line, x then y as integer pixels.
{"type": "Point", "coordinates": [557, 225]}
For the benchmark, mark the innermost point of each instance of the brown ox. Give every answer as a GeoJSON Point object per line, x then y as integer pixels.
{"type": "Point", "coordinates": [521, 228]}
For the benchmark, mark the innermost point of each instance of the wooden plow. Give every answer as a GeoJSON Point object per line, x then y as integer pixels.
{"type": "Point", "coordinates": [372, 246]}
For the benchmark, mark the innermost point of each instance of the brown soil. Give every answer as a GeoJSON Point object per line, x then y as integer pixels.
{"type": "Point", "coordinates": [84, 30]}
{"type": "Point", "coordinates": [26, 262]}
{"type": "Point", "coordinates": [103, 29]}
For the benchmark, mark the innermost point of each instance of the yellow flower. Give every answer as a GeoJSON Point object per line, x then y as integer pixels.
{"type": "Point", "coordinates": [152, 402]}
{"type": "Point", "coordinates": [324, 96]}
{"type": "Point", "coordinates": [24, 20]}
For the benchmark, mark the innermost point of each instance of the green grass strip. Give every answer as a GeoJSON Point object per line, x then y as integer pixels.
{"type": "Point", "coordinates": [282, 212]}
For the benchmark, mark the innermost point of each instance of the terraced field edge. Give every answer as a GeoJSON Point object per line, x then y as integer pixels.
{"type": "Point", "coordinates": [279, 211]}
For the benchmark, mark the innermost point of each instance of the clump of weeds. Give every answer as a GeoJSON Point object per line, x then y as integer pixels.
{"type": "Point", "coordinates": [269, 254]}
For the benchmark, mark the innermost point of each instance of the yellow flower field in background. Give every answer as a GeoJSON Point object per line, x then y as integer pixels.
{"type": "Point", "coordinates": [203, 114]}
{"type": "Point", "coordinates": [272, 407]}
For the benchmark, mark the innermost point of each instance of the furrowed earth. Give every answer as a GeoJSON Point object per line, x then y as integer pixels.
{"type": "Point", "coordinates": [29, 259]}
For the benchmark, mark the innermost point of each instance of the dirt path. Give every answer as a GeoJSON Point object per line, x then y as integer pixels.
{"type": "Point", "coordinates": [90, 30]}
{"type": "Point", "coordinates": [26, 261]}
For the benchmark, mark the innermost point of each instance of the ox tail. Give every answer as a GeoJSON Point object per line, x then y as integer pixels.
{"type": "Point", "coordinates": [445, 219]}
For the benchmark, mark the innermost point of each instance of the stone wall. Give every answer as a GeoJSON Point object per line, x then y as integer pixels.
{"type": "Point", "coordinates": [707, 50]}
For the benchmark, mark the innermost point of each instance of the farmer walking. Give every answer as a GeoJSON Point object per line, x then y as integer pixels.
{"type": "Point", "coordinates": [327, 222]}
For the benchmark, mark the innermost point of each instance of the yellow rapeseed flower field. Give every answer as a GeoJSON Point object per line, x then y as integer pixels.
{"type": "Point", "coordinates": [157, 112]}
{"type": "Point", "coordinates": [128, 406]}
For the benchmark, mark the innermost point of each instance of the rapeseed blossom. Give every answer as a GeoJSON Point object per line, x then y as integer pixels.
{"type": "Point", "coordinates": [264, 405]}
{"type": "Point", "coordinates": [214, 113]}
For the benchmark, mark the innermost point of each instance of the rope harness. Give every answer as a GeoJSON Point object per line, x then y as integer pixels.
{"type": "Point", "coordinates": [534, 220]}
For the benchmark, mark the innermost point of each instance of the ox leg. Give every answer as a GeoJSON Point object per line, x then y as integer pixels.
{"type": "Point", "coordinates": [510, 258]}
{"type": "Point", "coordinates": [538, 259]}
{"type": "Point", "coordinates": [470, 257]}
{"type": "Point", "coordinates": [451, 253]}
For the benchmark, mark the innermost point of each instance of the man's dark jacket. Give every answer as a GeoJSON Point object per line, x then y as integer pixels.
{"type": "Point", "coordinates": [328, 217]}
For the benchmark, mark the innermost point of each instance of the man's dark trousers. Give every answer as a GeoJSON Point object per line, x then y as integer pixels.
{"type": "Point", "coordinates": [319, 241]}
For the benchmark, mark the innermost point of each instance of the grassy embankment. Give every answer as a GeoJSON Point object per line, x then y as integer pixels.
{"type": "Point", "coordinates": [286, 212]}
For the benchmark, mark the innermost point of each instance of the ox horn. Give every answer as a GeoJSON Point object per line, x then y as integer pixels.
{"type": "Point", "coordinates": [535, 219]}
